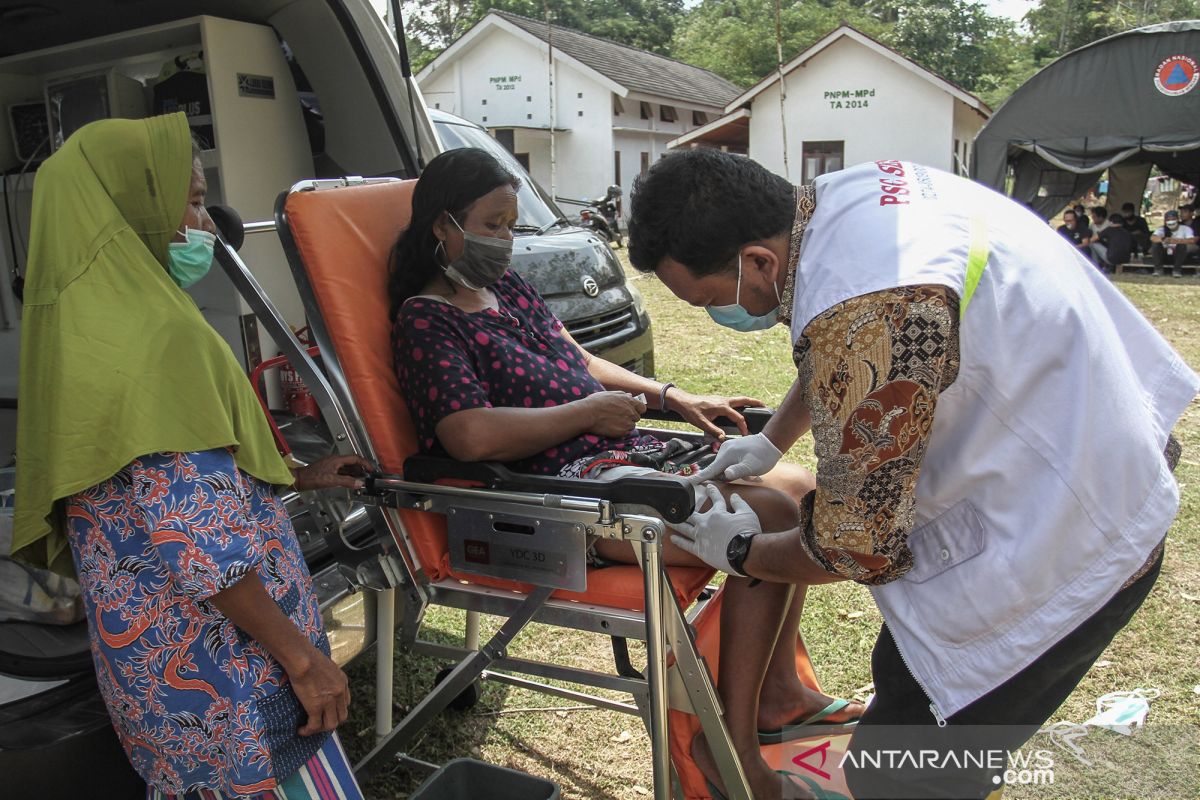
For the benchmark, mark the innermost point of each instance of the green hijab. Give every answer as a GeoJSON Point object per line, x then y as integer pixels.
{"type": "Point", "coordinates": [116, 359]}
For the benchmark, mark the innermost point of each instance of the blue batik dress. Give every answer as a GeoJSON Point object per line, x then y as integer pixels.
{"type": "Point", "coordinates": [196, 702]}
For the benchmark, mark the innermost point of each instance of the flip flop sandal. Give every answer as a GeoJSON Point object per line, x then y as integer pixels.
{"type": "Point", "coordinates": [810, 726]}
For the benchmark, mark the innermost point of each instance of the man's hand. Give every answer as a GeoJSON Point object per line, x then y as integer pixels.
{"type": "Point", "coordinates": [706, 534]}
{"type": "Point", "coordinates": [333, 472]}
{"type": "Point", "coordinates": [745, 457]}
{"type": "Point", "coordinates": [701, 410]}
{"type": "Point", "coordinates": [324, 691]}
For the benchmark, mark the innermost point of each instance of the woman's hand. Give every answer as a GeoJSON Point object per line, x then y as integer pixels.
{"type": "Point", "coordinates": [701, 410]}
{"type": "Point", "coordinates": [319, 684]}
{"type": "Point", "coordinates": [333, 472]}
{"type": "Point", "coordinates": [323, 690]}
{"type": "Point", "coordinates": [613, 414]}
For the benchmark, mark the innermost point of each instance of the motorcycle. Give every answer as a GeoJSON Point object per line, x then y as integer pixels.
{"type": "Point", "coordinates": [601, 216]}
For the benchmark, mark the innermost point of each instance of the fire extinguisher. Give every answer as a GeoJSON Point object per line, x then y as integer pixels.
{"type": "Point", "coordinates": [296, 396]}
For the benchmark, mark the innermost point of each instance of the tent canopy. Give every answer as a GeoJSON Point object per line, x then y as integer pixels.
{"type": "Point", "coordinates": [1124, 103]}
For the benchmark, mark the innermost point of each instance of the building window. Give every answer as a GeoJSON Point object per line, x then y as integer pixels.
{"type": "Point", "coordinates": [618, 109]}
{"type": "Point", "coordinates": [581, 113]}
{"type": "Point", "coordinates": [523, 160]}
{"type": "Point", "coordinates": [529, 116]}
{"type": "Point", "coordinates": [699, 118]}
{"type": "Point", "coordinates": [579, 95]}
{"type": "Point", "coordinates": [645, 162]}
{"type": "Point", "coordinates": [647, 111]}
{"type": "Point", "coordinates": [484, 119]}
{"type": "Point", "coordinates": [437, 105]}
{"type": "Point", "coordinates": [528, 98]}
{"type": "Point", "coordinates": [954, 158]}
{"type": "Point", "coordinates": [485, 101]}
{"type": "Point", "coordinates": [507, 138]}
{"type": "Point", "coordinates": [822, 157]}
{"type": "Point", "coordinates": [617, 167]}
{"type": "Point", "coordinates": [667, 113]}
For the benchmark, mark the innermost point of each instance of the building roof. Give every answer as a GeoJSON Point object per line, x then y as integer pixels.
{"type": "Point", "coordinates": [627, 67]}
{"type": "Point", "coordinates": [731, 132]}
{"type": "Point", "coordinates": [850, 32]}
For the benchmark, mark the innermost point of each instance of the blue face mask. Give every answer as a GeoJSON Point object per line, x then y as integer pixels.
{"type": "Point", "coordinates": [738, 318]}
{"type": "Point", "coordinates": [188, 262]}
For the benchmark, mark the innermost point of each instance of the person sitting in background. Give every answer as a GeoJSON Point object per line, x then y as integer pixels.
{"type": "Point", "coordinates": [1112, 245]}
{"type": "Point", "coordinates": [1081, 218]}
{"type": "Point", "coordinates": [1100, 220]}
{"type": "Point", "coordinates": [1187, 216]}
{"type": "Point", "coordinates": [1077, 235]}
{"type": "Point", "coordinates": [490, 374]}
{"type": "Point", "coordinates": [1139, 229]}
{"type": "Point", "coordinates": [1171, 242]}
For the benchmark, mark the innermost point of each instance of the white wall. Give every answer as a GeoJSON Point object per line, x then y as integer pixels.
{"type": "Point", "coordinates": [633, 135]}
{"type": "Point", "coordinates": [502, 81]}
{"type": "Point", "coordinates": [510, 74]}
{"type": "Point", "coordinates": [967, 124]}
{"type": "Point", "coordinates": [906, 117]}
{"type": "Point", "coordinates": [584, 155]}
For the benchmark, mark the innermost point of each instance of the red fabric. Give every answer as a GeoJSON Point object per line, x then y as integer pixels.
{"type": "Point", "coordinates": [684, 727]}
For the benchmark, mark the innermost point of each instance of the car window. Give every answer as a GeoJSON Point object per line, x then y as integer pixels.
{"type": "Point", "coordinates": [533, 208]}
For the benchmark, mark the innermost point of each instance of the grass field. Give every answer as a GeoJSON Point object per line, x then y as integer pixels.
{"type": "Point", "coordinates": [601, 754]}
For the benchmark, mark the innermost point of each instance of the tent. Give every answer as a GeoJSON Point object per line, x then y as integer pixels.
{"type": "Point", "coordinates": [1124, 103]}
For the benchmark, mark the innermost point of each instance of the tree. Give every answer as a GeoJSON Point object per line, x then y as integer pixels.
{"type": "Point", "coordinates": [1060, 26]}
{"type": "Point", "coordinates": [736, 38]}
{"type": "Point", "coordinates": [645, 24]}
{"type": "Point", "coordinates": [958, 40]}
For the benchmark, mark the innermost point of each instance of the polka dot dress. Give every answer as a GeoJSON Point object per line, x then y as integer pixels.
{"type": "Point", "coordinates": [450, 360]}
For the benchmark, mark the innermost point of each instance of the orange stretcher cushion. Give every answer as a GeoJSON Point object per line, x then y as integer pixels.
{"type": "Point", "coordinates": [344, 237]}
{"type": "Point", "coordinates": [817, 759]}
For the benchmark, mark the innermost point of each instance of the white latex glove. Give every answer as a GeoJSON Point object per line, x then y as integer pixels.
{"type": "Point", "coordinates": [706, 534]}
{"type": "Point", "coordinates": [743, 457]}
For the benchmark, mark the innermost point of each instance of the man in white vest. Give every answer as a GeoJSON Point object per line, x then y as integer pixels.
{"type": "Point", "coordinates": [992, 425]}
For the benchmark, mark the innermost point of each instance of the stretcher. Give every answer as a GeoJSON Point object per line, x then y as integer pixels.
{"type": "Point", "coordinates": [478, 537]}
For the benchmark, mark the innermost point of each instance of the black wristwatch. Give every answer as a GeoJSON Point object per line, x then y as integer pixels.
{"type": "Point", "coordinates": [737, 551]}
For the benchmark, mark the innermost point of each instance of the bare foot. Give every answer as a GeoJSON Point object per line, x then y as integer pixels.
{"type": "Point", "coordinates": [765, 783]}
{"type": "Point", "coordinates": [788, 705]}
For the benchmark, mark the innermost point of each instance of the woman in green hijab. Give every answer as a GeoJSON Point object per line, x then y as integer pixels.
{"type": "Point", "coordinates": [142, 451]}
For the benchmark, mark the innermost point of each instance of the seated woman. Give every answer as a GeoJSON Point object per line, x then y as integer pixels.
{"type": "Point", "coordinates": [490, 374]}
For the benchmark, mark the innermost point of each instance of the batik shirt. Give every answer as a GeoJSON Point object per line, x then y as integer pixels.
{"type": "Point", "coordinates": [873, 367]}
{"type": "Point", "coordinates": [196, 702]}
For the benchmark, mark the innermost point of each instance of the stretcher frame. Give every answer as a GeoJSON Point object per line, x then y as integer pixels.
{"type": "Point", "coordinates": [676, 676]}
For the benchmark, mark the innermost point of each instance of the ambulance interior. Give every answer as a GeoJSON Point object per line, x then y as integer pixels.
{"type": "Point", "coordinates": [249, 75]}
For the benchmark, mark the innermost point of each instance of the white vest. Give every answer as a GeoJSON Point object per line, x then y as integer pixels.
{"type": "Point", "coordinates": [1043, 487]}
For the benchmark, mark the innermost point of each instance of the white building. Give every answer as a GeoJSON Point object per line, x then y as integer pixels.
{"type": "Point", "coordinates": [847, 99]}
{"type": "Point", "coordinates": [614, 108]}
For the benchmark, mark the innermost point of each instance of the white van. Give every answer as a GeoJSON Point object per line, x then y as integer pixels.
{"type": "Point", "coordinates": [241, 69]}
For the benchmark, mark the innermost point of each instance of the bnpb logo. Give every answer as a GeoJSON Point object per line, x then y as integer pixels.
{"type": "Point", "coordinates": [1176, 75]}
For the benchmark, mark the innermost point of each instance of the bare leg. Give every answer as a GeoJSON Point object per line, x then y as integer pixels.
{"type": "Point", "coordinates": [785, 698]}
{"type": "Point", "coordinates": [750, 624]}
{"type": "Point", "coordinates": [759, 624]}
